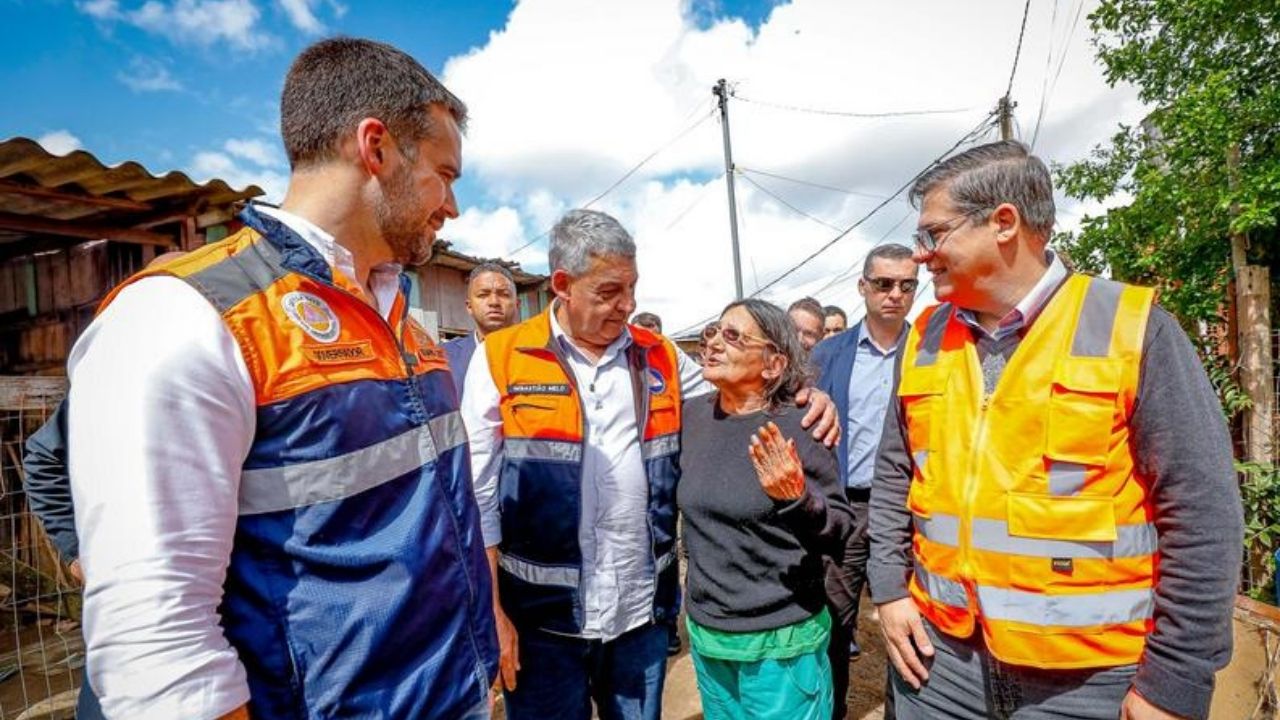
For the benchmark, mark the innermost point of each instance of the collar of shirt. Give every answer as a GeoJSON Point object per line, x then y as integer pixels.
{"type": "Point", "coordinates": [865, 339]}
{"type": "Point", "coordinates": [610, 353]}
{"type": "Point", "coordinates": [384, 279]}
{"type": "Point", "coordinates": [1029, 307]}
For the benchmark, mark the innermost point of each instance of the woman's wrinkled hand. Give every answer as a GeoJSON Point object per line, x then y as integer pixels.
{"type": "Point", "coordinates": [777, 464]}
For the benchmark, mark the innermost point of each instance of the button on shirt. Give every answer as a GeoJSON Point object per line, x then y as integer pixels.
{"type": "Point", "coordinates": [617, 582]}
{"type": "Point", "coordinates": [870, 385]}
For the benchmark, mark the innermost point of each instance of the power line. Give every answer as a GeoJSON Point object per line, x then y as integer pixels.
{"type": "Point", "coordinates": [820, 186]}
{"type": "Point", "coordinates": [856, 264]}
{"type": "Point", "coordinates": [702, 195]}
{"type": "Point", "coordinates": [788, 205]}
{"type": "Point", "coordinates": [843, 113]}
{"type": "Point", "coordinates": [1062, 60]}
{"type": "Point", "coordinates": [635, 168]}
{"type": "Point", "coordinates": [1018, 52]}
{"type": "Point", "coordinates": [978, 131]}
{"type": "Point", "coordinates": [982, 126]}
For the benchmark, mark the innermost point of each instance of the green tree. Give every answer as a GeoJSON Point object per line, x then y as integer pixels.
{"type": "Point", "coordinates": [1211, 68]}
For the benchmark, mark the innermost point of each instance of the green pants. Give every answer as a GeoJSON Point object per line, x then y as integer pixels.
{"type": "Point", "coordinates": [797, 688]}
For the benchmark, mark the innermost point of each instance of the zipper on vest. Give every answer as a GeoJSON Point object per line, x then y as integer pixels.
{"type": "Point", "coordinates": [971, 492]}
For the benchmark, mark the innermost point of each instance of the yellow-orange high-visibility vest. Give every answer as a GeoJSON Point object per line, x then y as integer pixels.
{"type": "Point", "coordinates": [1031, 520]}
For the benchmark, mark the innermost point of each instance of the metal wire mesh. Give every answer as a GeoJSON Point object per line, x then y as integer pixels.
{"type": "Point", "coordinates": [41, 647]}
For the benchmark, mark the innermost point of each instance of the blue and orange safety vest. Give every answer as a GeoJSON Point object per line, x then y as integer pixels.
{"type": "Point", "coordinates": [540, 481]}
{"type": "Point", "coordinates": [358, 585]}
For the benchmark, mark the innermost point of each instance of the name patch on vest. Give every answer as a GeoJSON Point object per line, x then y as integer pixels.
{"type": "Point", "coordinates": [538, 389]}
{"type": "Point", "coordinates": [1062, 565]}
{"type": "Point", "coordinates": [312, 314]}
{"type": "Point", "coordinates": [340, 353]}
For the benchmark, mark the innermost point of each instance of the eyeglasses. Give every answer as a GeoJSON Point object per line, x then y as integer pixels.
{"type": "Point", "coordinates": [884, 285]}
{"type": "Point", "coordinates": [733, 336]}
{"type": "Point", "coordinates": [926, 238]}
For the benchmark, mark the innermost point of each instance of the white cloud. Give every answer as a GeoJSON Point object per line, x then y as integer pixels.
{"type": "Point", "coordinates": [210, 165]}
{"type": "Point", "coordinates": [613, 81]}
{"type": "Point", "coordinates": [487, 234]}
{"type": "Point", "coordinates": [59, 142]}
{"type": "Point", "coordinates": [259, 152]}
{"type": "Point", "coordinates": [148, 75]}
{"type": "Point", "coordinates": [203, 23]}
{"type": "Point", "coordinates": [303, 17]}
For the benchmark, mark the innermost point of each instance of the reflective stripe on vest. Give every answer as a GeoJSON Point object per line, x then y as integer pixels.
{"type": "Point", "coordinates": [1027, 509]}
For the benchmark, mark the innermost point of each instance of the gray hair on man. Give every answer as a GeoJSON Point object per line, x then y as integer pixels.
{"type": "Point", "coordinates": [583, 234]}
{"type": "Point", "coordinates": [980, 179]}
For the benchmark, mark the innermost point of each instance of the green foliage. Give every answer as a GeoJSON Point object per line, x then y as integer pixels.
{"type": "Point", "coordinates": [1212, 68]}
{"type": "Point", "coordinates": [1260, 493]}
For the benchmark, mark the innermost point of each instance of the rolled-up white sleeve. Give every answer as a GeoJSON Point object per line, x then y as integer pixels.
{"type": "Point", "coordinates": [161, 418]}
{"type": "Point", "coordinates": [482, 414]}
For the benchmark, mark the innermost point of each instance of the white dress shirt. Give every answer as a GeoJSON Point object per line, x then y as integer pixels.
{"type": "Point", "coordinates": [613, 533]}
{"type": "Point", "coordinates": [161, 416]}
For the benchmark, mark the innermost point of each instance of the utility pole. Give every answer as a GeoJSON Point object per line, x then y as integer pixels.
{"type": "Point", "coordinates": [721, 92]}
{"type": "Point", "coordinates": [1005, 111]}
{"type": "Point", "coordinates": [1253, 322]}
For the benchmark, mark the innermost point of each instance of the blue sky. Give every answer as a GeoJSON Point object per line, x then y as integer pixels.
{"type": "Point", "coordinates": [567, 96]}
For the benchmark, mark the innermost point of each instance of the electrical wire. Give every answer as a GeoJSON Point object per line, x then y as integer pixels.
{"type": "Point", "coordinates": [1062, 60]}
{"type": "Point", "coordinates": [809, 183]}
{"type": "Point", "coordinates": [788, 205]}
{"type": "Point", "coordinates": [625, 176]}
{"type": "Point", "coordinates": [1026, 9]}
{"type": "Point", "coordinates": [697, 201]}
{"type": "Point", "coordinates": [982, 127]}
{"type": "Point", "coordinates": [977, 132]}
{"type": "Point", "coordinates": [843, 113]}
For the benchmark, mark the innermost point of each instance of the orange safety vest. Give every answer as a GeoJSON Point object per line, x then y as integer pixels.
{"type": "Point", "coordinates": [540, 482]}
{"type": "Point", "coordinates": [1030, 517]}
{"type": "Point", "coordinates": [358, 584]}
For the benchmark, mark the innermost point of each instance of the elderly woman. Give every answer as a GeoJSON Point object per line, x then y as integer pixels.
{"type": "Point", "coordinates": [761, 503]}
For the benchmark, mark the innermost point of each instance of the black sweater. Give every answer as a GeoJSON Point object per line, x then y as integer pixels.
{"type": "Point", "coordinates": [754, 563]}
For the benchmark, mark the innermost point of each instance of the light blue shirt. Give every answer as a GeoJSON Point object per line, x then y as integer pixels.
{"type": "Point", "coordinates": [870, 386]}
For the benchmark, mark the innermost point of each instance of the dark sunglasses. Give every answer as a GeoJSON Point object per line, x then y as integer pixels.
{"type": "Point", "coordinates": [733, 336]}
{"type": "Point", "coordinates": [884, 285]}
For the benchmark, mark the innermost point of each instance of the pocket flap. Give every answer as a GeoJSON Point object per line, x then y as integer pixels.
{"type": "Point", "coordinates": [1080, 518]}
{"type": "Point", "coordinates": [1089, 375]}
{"type": "Point", "coordinates": [923, 381]}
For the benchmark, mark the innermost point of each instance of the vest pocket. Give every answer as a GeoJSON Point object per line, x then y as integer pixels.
{"type": "Point", "coordinates": [1082, 410]}
{"type": "Point", "coordinates": [1078, 518]}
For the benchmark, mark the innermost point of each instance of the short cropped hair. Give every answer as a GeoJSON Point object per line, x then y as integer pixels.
{"type": "Point", "coordinates": [831, 310]}
{"type": "Point", "coordinates": [583, 234]}
{"type": "Point", "coordinates": [334, 84]}
{"type": "Point", "coordinates": [890, 251]}
{"type": "Point", "coordinates": [980, 179]}
{"type": "Point", "coordinates": [646, 319]}
{"type": "Point", "coordinates": [490, 267]}
{"type": "Point", "coordinates": [809, 305]}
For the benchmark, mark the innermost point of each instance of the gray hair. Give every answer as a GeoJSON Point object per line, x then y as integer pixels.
{"type": "Point", "coordinates": [981, 178]}
{"type": "Point", "coordinates": [583, 234]}
{"type": "Point", "coordinates": [891, 251]}
{"type": "Point", "coordinates": [778, 330]}
{"type": "Point", "coordinates": [336, 83]}
{"type": "Point", "coordinates": [490, 267]}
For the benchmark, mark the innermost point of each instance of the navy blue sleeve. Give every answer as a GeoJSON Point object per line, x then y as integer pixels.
{"type": "Point", "coordinates": [48, 482]}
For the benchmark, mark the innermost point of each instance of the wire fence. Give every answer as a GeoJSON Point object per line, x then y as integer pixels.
{"type": "Point", "coordinates": [41, 647]}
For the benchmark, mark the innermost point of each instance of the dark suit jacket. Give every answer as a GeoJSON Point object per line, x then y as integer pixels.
{"type": "Point", "coordinates": [833, 360]}
{"type": "Point", "coordinates": [459, 351]}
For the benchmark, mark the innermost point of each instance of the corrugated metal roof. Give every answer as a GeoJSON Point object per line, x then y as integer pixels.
{"type": "Point", "coordinates": [77, 187]}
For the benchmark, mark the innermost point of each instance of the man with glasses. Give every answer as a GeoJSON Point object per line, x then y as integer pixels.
{"type": "Point", "coordinates": [1055, 520]}
{"type": "Point", "coordinates": [856, 369]}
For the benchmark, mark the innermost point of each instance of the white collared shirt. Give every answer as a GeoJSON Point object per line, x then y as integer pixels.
{"type": "Point", "coordinates": [613, 532]}
{"type": "Point", "coordinates": [161, 416]}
